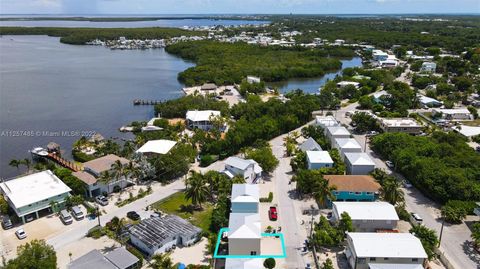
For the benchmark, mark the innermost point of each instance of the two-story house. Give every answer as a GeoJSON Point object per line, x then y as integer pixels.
{"type": "Point", "coordinates": [249, 169]}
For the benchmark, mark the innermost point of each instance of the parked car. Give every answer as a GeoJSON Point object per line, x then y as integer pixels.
{"type": "Point", "coordinates": [416, 219]}
{"type": "Point", "coordinates": [65, 217]}
{"type": "Point", "coordinates": [407, 184]}
{"type": "Point", "coordinates": [6, 223]}
{"type": "Point", "coordinates": [29, 218]}
{"type": "Point", "coordinates": [389, 164]}
{"type": "Point", "coordinates": [133, 215]}
{"type": "Point", "coordinates": [101, 200]}
{"type": "Point", "coordinates": [478, 149]}
{"type": "Point", "coordinates": [77, 213]}
{"type": "Point", "coordinates": [21, 234]}
{"type": "Point", "coordinates": [272, 213]}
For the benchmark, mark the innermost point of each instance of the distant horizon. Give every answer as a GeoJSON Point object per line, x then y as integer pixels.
{"type": "Point", "coordinates": [235, 14]}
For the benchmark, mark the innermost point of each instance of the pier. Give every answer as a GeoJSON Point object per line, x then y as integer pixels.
{"type": "Point", "coordinates": [64, 162]}
{"type": "Point", "coordinates": [138, 102]}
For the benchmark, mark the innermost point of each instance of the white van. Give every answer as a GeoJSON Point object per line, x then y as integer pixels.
{"type": "Point", "coordinates": [77, 213]}
{"type": "Point", "coordinates": [65, 217]}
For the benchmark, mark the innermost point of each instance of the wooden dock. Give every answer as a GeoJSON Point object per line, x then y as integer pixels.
{"type": "Point", "coordinates": [64, 162]}
{"type": "Point", "coordinates": [138, 102]}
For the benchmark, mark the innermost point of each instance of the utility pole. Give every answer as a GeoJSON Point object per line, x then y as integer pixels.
{"type": "Point", "coordinates": [441, 232]}
{"type": "Point", "coordinates": [98, 216]}
{"type": "Point", "coordinates": [311, 240]}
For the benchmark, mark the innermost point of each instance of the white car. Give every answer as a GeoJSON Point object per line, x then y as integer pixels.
{"type": "Point", "coordinates": [389, 164]}
{"type": "Point", "coordinates": [407, 184]}
{"type": "Point", "coordinates": [20, 233]}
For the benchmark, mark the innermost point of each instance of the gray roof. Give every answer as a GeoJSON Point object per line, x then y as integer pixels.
{"type": "Point", "coordinates": [310, 144]}
{"type": "Point", "coordinates": [122, 258]}
{"type": "Point", "coordinates": [208, 86]}
{"type": "Point", "coordinates": [239, 163]}
{"type": "Point", "coordinates": [93, 259]}
{"type": "Point", "coordinates": [154, 231]}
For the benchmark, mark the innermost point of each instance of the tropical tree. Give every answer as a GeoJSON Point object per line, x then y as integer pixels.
{"type": "Point", "coordinates": [196, 189]}
{"type": "Point", "coordinates": [15, 163]}
{"type": "Point", "coordinates": [327, 264]}
{"type": "Point", "coordinates": [323, 192]}
{"type": "Point", "coordinates": [453, 214]}
{"type": "Point", "coordinates": [391, 191]}
{"type": "Point", "coordinates": [269, 263]}
{"type": "Point", "coordinates": [428, 237]}
{"type": "Point", "coordinates": [106, 178]}
{"type": "Point", "coordinates": [345, 224]}
{"type": "Point", "coordinates": [161, 261]}
{"type": "Point", "coordinates": [27, 163]}
{"type": "Point", "coordinates": [238, 180]}
{"type": "Point", "coordinates": [476, 233]}
{"type": "Point", "coordinates": [54, 206]}
{"type": "Point", "coordinates": [128, 149]}
{"type": "Point", "coordinates": [118, 171]}
{"type": "Point", "coordinates": [33, 255]}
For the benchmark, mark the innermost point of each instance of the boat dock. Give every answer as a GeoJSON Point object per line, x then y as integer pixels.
{"type": "Point", "coordinates": [55, 157]}
{"type": "Point", "coordinates": [138, 102]}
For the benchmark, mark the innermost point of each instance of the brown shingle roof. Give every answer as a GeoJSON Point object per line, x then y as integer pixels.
{"type": "Point", "coordinates": [353, 183]}
{"type": "Point", "coordinates": [86, 177]}
{"type": "Point", "coordinates": [104, 163]}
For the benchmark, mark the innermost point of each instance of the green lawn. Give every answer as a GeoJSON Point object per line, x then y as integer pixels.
{"type": "Point", "coordinates": [177, 204]}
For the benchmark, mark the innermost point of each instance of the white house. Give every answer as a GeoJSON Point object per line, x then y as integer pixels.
{"type": "Point", "coordinates": [428, 102]}
{"type": "Point", "coordinates": [326, 121]}
{"type": "Point", "coordinates": [428, 67]}
{"type": "Point", "coordinates": [93, 170]}
{"type": "Point", "coordinates": [400, 125]}
{"type": "Point", "coordinates": [335, 132]}
{"type": "Point", "coordinates": [358, 163]}
{"type": "Point", "coordinates": [201, 119]}
{"type": "Point", "coordinates": [453, 114]}
{"type": "Point", "coordinates": [310, 145]}
{"type": "Point", "coordinates": [367, 216]}
{"type": "Point", "coordinates": [159, 234]}
{"type": "Point", "coordinates": [467, 131]}
{"type": "Point", "coordinates": [160, 146]}
{"type": "Point", "coordinates": [319, 159]}
{"type": "Point", "coordinates": [32, 195]}
{"type": "Point", "coordinates": [245, 198]}
{"type": "Point", "coordinates": [235, 263]}
{"type": "Point", "coordinates": [379, 55]}
{"type": "Point", "coordinates": [252, 79]}
{"type": "Point", "coordinates": [342, 84]}
{"type": "Point", "coordinates": [345, 145]}
{"type": "Point", "coordinates": [244, 235]}
{"type": "Point", "coordinates": [376, 250]}
{"type": "Point", "coordinates": [249, 169]}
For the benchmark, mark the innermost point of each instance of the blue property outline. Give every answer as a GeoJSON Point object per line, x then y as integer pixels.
{"type": "Point", "coordinates": [219, 238]}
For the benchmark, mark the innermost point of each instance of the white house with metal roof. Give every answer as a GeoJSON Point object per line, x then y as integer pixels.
{"type": "Point", "coordinates": [367, 216]}
{"type": "Point", "coordinates": [319, 159]}
{"type": "Point", "coordinates": [245, 198]}
{"type": "Point", "coordinates": [119, 258]}
{"type": "Point", "coordinates": [335, 132]}
{"type": "Point", "coordinates": [345, 145]}
{"type": "Point", "coordinates": [453, 114]}
{"type": "Point", "coordinates": [201, 119]}
{"type": "Point", "coordinates": [310, 145]}
{"type": "Point", "coordinates": [398, 250]}
{"type": "Point", "coordinates": [33, 194]}
{"type": "Point", "coordinates": [160, 146]}
{"type": "Point", "coordinates": [249, 169]}
{"type": "Point", "coordinates": [326, 121]}
{"type": "Point", "coordinates": [244, 263]}
{"type": "Point", "coordinates": [358, 163]}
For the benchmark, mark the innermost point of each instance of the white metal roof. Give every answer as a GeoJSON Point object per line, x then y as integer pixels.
{"type": "Point", "coordinates": [366, 210]}
{"type": "Point", "coordinates": [201, 115]}
{"type": "Point", "coordinates": [245, 193]}
{"type": "Point", "coordinates": [338, 130]}
{"type": "Point", "coordinates": [452, 111]}
{"type": "Point", "coordinates": [400, 122]}
{"type": "Point", "coordinates": [395, 266]}
{"type": "Point", "coordinates": [359, 158]}
{"type": "Point", "coordinates": [319, 157]}
{"type": "Point", "coordinates": [310, 144]}
{"type": "Point", "coordinates": [347, 143]}
{"type": "Point", "coordinates": [326, 121]}
{"type": "Point", "coordinates": [427, 100]}
{"type": "Point", "coordinates": [238, 162]}
{"type": "Point", "coordinates": [468, 131]}
{"type": "Point", "coordinates": [244, 263]}
{"type": "Point", "coordinates": [33, 188]}
{"type": "Point", "coordinates": [160, 146]}
{"type": "Point", "coordinates": [244, 225]}
{"type": "Point", "coordinates": [387, 245]}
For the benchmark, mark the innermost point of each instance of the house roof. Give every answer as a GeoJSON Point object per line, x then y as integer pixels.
{"type": "Point", "coordinates": [104, 163]}
{"type": "Point", "coordinates": [154, 231]}
{"type": "Point", "coordinates": [338, 130]}
{"type": "Point", "coordinates": [319, 157]}
{"type": "Point", "coordinates": [29, 189]}
{"type": "Point", "coordinates": [245, 193]}
{"type": "Point", "coordinates": [359, 158]}
{"type": "Point", "coordinates": [310, 144]}
{"type": "Point", "coordinates": [326, 121]}
{"type": "Point", "coordinates": [362, 183]}
{"type": "Point", "coordinates": [427, 100]}
{"type": "Point", "coordinates": [347, 143]}
{"type": "Point", "coordinates": [121, 258]}
{"type": "Point", "coordinates": [400, 122]}
{"type": "Point", "coordinates": [452, 111]}
{"type": "Point", "coordinates": [93, 259]}
{"type": "Point", "coordinates": [367, 210]}
{"type": "Point", "coordinates": [86, 177]}
{"type": "Point", "coordinates": [244, 225]}
{"type": "Point", "coordinates": [395, 266]}
{"type": "Point", "coordinates": [160, 146]}
{"type": "Point", "coordinates": [201, 115]}
{"type": "Point", "coordinates": [388, 245]}
{"type": "Point", "coordinates": [239, 163]}
{"type": "Point", "coordinates": [244, 263]}
{"type": "Point", "coordinates": [467, 131]}
{"type": "Point", "coordinates": [208, 87]}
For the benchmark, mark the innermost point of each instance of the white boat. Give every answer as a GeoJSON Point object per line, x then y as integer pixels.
{"type": "Point", "coordinates": [39, 151]}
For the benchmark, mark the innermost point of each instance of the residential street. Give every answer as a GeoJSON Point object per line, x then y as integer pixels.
{"type": "Point", "coordinates": [456, 238]}
{"type": "Point", "coordinates": [72, 235]}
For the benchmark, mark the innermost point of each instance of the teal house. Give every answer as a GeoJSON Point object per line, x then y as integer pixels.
{"type": "Point", "coordinates": [353, 188]}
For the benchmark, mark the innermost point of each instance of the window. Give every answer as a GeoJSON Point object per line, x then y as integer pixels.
{"type": "Point", "coordinates": [373, 259]}
{"type": "Point", "coordinates": [335, 192]}
{"type": "Point", "coordinates": [385, 259]}
{"type": "Point", "coordinates": [362, 260]}
{"type": "Point", "coordinates": [369, 193]}
{"type": "Point", "coordinates": [358, 193]}
{"type": "Point", "coordinates": [350, 192]}
{"type": "Point", "coordinates": [253, 253]}
{"type": "Point", "coordinates": [414, 259]}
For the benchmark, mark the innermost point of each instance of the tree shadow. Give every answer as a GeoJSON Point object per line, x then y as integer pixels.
{"type": "Point", "coordinates": [471, 252]}
{"type": "Point", "coordinates": [107, 249]}
{"type": "Point", "coordinates": [188, 209]}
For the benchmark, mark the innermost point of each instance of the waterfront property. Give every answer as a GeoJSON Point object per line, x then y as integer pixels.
{"type": "Point", "coordinates": [392, 250]}
{"type": "Point", "coordinates": [249, 169]}
{"type": "Point", "coordinates": [119, 258]}
{"type": "Point", "coordinates": [400, 125]}
{"type": "Point", "coordinates": [358, 163]}
{"type": "Point", "coordinates": [367, 216]}
{"type": "Point", "coordinates": [319, 159]}
{"type": "Point", "coordinates": [354, 188]}
{"type": "Point", "coordinates": [201, 119]}
{"type": "Point", "coordinates": [345, 145]}
{"type": "Point", "coordinates": [159, 234]}
{"type": "Point", "coordinates": [33, 195]}
{"type": "Point", "coordinates": [154, 147]}
{"type": "Point", "coordinates": [310, 145]}
{"type": "Point", "coordinates": [93, 170]}
{"type": "Point", "coordinates": [342, 84]}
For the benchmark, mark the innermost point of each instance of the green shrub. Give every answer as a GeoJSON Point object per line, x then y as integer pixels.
{"type": "Point", "coordinates": [468, 206]}
{"type": "Point", "coordinates": [402, 213]}
{"type": "Point", "coordinates": [268, 199]}
{"type": "Point", "coordinates": [96, 232]}
{"type": "Point", "coordinates": [206, 160]}
{"type": "Point", "coordinates": [3, 205]}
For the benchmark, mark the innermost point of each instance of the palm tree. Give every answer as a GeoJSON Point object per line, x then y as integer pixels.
{"type": "Point", "coordinates": [196, 189]}
{"type": "Point", "coordinates": [323, 192]}
{"type": "Point", "coordinates": [27, 163]}
{"type": "Point", "coordinates": [106, 178]}
{"type": "Point", "coordinates": [128, 149]}
{"type": "Point", "coordinates": [118, 170]}
{"type": "Point", "coordinates": [238, 180]}
{"type": "Point", "coordinates": [14, 163]}
{"type": "Point", "coordinates": [391, 191]}
{"type": "Point", "coordinates": [161, 261]}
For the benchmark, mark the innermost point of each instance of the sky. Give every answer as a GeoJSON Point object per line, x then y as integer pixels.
{"type": "Point", "coordinates": [237, 6]}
